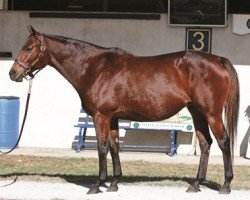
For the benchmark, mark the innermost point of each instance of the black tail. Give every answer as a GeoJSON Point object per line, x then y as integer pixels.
{"type": "Point", "coordinates": [232, 104]}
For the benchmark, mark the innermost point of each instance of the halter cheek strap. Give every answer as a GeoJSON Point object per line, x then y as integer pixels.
{"type": "Point", "coordinates": [27, 68]}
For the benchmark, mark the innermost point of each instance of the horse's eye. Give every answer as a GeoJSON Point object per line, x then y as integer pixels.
{"type": "Point", "coordinates": [29, 49]}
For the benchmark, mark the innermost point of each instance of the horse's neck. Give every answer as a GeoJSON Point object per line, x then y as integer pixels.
{"type": "Point", "coordinates": [68, 60]}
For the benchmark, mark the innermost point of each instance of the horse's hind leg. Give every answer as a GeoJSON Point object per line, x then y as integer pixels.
{"type": "Point", "coordinates": [218, 129]}
{"type": "Point", "coordinates": [114, 150]}
{"type": "Point", "coordinates": [102, 127]}
{"type": "Point", "coordinates": [205, 140]}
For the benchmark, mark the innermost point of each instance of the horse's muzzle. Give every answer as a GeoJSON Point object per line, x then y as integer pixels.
{"type": "Point", "coordinates": [15, 76]}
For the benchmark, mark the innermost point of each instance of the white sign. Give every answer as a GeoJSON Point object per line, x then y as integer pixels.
{"type": "Point", "coordinates": [162, 126]}
{"type": "Point", "coordinates": [241, 24]}
{"type": "Point", "coordinates": [181, 121]}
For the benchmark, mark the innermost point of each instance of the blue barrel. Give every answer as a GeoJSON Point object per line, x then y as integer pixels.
{"type": "Point", "coordinates": [9, 121]}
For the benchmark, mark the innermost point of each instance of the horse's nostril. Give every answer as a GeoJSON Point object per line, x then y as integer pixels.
{"type": "Point", "coordinates": [11, 72]}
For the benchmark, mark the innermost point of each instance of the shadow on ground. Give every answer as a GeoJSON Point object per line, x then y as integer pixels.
{"type": "Point", "coordinates": [86, 181]}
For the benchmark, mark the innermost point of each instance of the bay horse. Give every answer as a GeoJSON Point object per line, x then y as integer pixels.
{"type": "Point", "coordinates": [115, 84]}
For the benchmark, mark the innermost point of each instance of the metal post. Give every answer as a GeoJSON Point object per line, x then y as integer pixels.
{"type": "Point", "coordinates": [80, 144]}
{"type": "Point", "coordinates": [173, 148]}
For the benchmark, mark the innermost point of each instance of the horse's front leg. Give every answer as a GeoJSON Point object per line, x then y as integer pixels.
{"type": "Point", "coordinates": [102, 126]}
{"type": "Point", "coordinates": [114, 150]}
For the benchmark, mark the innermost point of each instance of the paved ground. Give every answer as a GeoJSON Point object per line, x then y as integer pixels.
{"type": "Point", "coordinates": [36, 191]}
{"type": "Point", "coordinates": [55, 191]}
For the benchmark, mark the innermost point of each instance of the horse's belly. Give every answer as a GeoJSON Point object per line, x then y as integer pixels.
{"type": "Point", "coordinates": [152, 110]}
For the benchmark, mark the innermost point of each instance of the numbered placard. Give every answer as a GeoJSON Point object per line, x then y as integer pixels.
{"type": "Point", "coordinates": [198, 39]}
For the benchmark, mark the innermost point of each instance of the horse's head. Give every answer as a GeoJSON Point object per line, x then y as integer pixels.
{"type": "Point", "coordinates": [32, 57]}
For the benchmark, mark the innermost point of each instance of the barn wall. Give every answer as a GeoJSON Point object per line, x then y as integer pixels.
{"type": "Point", "coordinates": [55, 105]}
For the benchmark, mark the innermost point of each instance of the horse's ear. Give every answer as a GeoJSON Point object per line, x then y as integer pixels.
{"type": "Point", "coordinates": [32, 31]}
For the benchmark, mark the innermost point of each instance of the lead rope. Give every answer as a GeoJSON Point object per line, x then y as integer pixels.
{"type": "Point", "coordinates": [24, 118]}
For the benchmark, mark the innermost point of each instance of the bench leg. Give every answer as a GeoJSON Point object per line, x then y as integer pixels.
{"type": "Point", "coordinates": [173, 146]}
{"type": "Point", "coordinates": [81, 139]}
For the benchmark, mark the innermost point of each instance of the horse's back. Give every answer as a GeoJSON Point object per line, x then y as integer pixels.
{"type": "Point", "coordinates": [132, 86]}
{"type": "Point", "coordinates": [175, 80]}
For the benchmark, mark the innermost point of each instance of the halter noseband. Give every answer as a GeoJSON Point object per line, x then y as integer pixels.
{"type": "Point", "coordinates": [27, 68]}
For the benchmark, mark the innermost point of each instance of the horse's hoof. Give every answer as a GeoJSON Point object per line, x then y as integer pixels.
{"type": "Point", "coordinates": [112, 188]}
{"type": "Point", "coordinates": [94, 191]}
{"type": "Point", "coordinates": [193, 189]}
{"type": "Point", "coordinates": [224, 190]}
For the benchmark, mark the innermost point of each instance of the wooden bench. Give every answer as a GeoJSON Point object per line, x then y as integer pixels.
{"type": "Point", "coordinates": [85, 121]}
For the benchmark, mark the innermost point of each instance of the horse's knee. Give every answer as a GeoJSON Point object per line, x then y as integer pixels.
{"type": "Point", "coordinates": [205, 144]}
{"type": "Point", "coordinates": [205, 147]}
{"type": "Point", "coordinates": [102, 148]}
{"type": "Point", "coordinates": [114, 145]}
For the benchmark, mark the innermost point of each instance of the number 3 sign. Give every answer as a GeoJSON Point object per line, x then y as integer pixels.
{"type": "Point", "coordinates": [198, 39]}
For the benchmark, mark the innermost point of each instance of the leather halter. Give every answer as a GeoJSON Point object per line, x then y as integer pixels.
{"type": "Point", "coordinates": [27, 68]}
